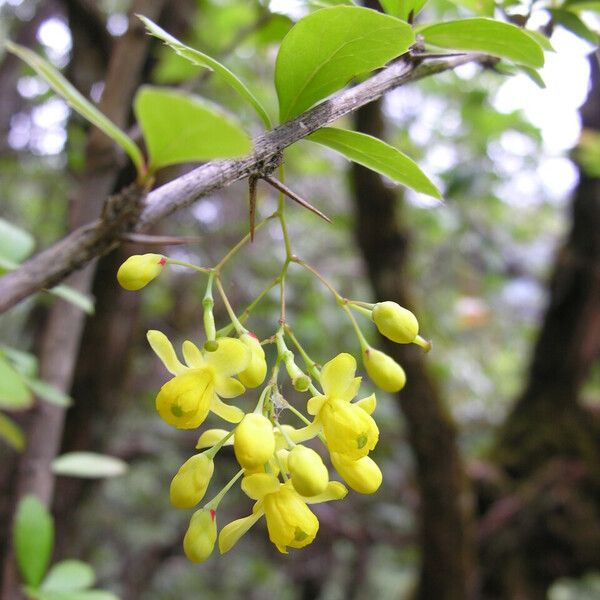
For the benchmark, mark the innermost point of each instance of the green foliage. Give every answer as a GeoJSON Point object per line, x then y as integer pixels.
{"type": "Point", "coordinates": [68, 576]}
{"type": "Point", "coordinates": [14, 394]}
{"type": "Point", "coordinates": [486, 35]}
{"type": "Point", "coordinates": [88, 465]}
{"type": "Point", "coordinates": [179, 127]}
{"type": "Point", "coordinates": [403, 9]}
{"type": "Point", "coordinates": [16, 244]}
{"type": "Point", "coordinates": [203, 60]}
{"type": "Point", "coordinates": [33, 539]}
{"type": "Point", "coordinates": [571, 22]}
{"type": "Point", "coordinates": [375, 154]}
{"type": "Point", "coordinates": [82, 105]}
{"type": "Point", "coordinates": [74, 297]}
{"type": "Point", "coordinates": [11, 433]}
{"type": "Point", "coordinates": [48, 392]}
{"type": "Point", "coordinates": [326, 49]}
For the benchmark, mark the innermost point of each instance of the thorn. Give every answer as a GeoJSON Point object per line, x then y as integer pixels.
{"type": "Point", "coordinates": [252, 200]}
{"type": "Point", "coordinates": [291, 194]}
{"type": "Point", "coordinates": [158, 240]}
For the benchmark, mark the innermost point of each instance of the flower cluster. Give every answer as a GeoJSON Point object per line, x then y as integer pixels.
{"type": "Point", "coordinates": [279, 471]}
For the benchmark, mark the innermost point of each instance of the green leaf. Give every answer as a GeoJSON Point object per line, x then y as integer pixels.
{"type": "Point", "coordinates": [48, 392]}
{"type": "Point", "coordinates": [484, 8]}
{"type": "Point", "coordinates": [179, 128]}
{"type": "Point", "coordinates": [541, 39]}
{"type": "Point", "coordinates": [33, 539]}
{"type": "Point", "coordinates": [24, 362]}
{"type": "Point", "coordinates": [88, 465]}
{"type": "Point", "coordinates": [571, 22]}
{"type": "Point", "coordinates": [403, 9]}
{"type": "Point", "coordinates": [14, 394]}
{"type": "Point", "coordinates": [374, 154]}
{"type": "Point", "coordinates": [327, 48]}
{"type": "Point", "coordinates": [11, 433]}
{"type": "Point", "coordinates": [486, 35]}
{"type": "Point", "coordinates": [203, 60]}
{"type": "Point", "coordinates": [37, 594]}
{"type": "Point", "coordinates": [68, 576]}
{"type": "Point", "coordinates": [16, 244]}
{"type": "Point", "coordinates": [79, 103]}
{"type": "Point", "coordinates": [75, 297]}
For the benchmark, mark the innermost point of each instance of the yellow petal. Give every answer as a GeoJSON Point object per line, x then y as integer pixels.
{"type": "Point", "coordinates": [231, 414]}
{"type": "Point", "coordinates": [213, 436]}
{"type": "Point", "coordinates": [228, 387]}
{"type": "Point", "coordinates": [362, 475]}
{"type": "Point", "coordinates": [368, 404]}
{"type": "Point", "coordinates": [185, 400]}
{"type": "Point", "coordinates": [313, 406]}
{"type": "Point", "coordinates": [335, 491]}
{"type": "Point", "coordinates": [230, 358]}
{"type": "Point", "coordinates": [351, 390]}
{"type": "Point", "coordinates": [192, 355]}
{"type": "Point", "coordinates": [258, 485]}
{"type": "Point", "coordinates": [338, 374]}
{"type": "Point", "coordinates": [160, 343]}
{"type": "Point", "coordinates": [232, 532]}
{"type": "Point", "coordinates": [305, 433]}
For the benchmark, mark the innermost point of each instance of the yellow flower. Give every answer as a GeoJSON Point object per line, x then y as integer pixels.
{"type": "Point", "coordinates": [186, 399]}
{"type": "Point", "coordinates": [201, 535]}
{"type": "Point", "coordinates": [191, 481]}
{"type": "Point", "coordinates": [139, 270]}
{"type": "Point", "coordinates": [254, 374]}
{"type": "Point", "coordinates": [362, 475]}
{"type": "Point", "coordinates": [349, 429]}
{"type": "Point", "coordinates": [289, 520]}
{"type": "Point", "coordinates": [254, 441]}
{"type": "Point", "coordinates": [309, 475]}
{"type": "Point", "coordinates": [385, 372]}
{"type": "Point", "coordinates": [395, 322]}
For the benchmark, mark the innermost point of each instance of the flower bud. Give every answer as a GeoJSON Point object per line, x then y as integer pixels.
{"type": "Point", "coordinates": [191, 481]}
{"type": "Point", "coordinates": [309, 475]}
{"type": "Point", "coordinates": [254, 441]}
{"type": "Point", "coordinates": [301, 383]}
{"type": "Point", "coordinates": [139, 270]}
{"type": "Point", "coordinates": [256, 371]}
{"type": "Point", "coordinates": [385, 372]}
{"type": "Point", "coordinates": [201, 535]}
{"type": "Point", "coordinates": [362, 475]}
{"type": "Point", "coordinates": [395, 322]}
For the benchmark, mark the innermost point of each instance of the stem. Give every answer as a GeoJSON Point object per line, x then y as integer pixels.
{"type": "Point", "coordinates": [208, 303]}
{"type": "Point", "coordinates": [363, 311]}
{"type": "Point", "coordinates": [246, 312]}
{"type": "Point", "coordinates": [423, 343]}
{"type": "Point", "coordinates": [359, 334]}
{"type": "Point", "coordinates": [239, 328]}
{"type": "Point", "coordinates": [212, 452]}
{"type": "Point", "coordinates": [311, 365]}
{"type": "Point", "coordinates": [243, 241]}
{"type": "Point", "coordinates": [214, 503]}
{"type": "Point", "coordinates": [182, 263]}
{"type": "Point", "coordinates": [261, 401]}
{"type": "Point", "coordinates": [298, 414]}
{"type": "Point", "coordinates": [320, 277]}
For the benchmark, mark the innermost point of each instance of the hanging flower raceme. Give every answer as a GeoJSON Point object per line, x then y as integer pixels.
{"type": "Point", "coordinates": [198, 386]}
{"type": "Point", "coordinates": [290, 523]}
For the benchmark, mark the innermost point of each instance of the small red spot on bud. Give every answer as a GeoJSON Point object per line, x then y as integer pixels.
{"type": "Point", "coordinates": [252, 334]}
{"type": "Point", "coordinates": [212, 514]}
{"type": "Point", "coordinates": [162, 261]}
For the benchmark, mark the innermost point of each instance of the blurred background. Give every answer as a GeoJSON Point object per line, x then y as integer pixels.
{"type": "Point", "coordinates": [490, 455]}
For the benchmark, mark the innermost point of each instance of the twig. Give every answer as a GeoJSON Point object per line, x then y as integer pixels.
{"type": "Point", "coordinates": [72, 252]}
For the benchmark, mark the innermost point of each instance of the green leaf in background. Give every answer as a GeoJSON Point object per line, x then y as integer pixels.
{"type": "Point", "coordinates": [14, 394]}
{"type": "Point", "coordinates": [483, 8]}
{"type": "Point", "coordinates": [68, 576]}
{"type": "Point", "coordinates": [79, 103]}
{"type": "Point", "coordinates": [486, 35]}
{"type": "Point", "coordinates": [11, 433]}
{"type": "Point", "coordinates": [571, 22]}
{"type": "Point", "coordinates": [48, 392]}
{"type": "Point", "coordinates": [179, 128]}
{"type": "Point", "coordinates": [403, 9]}
{"type": "Point", "coordinates": [375, 154]}
{"type": "Point", "coordinates": [37, 594]}
{"type": "Point", "coordinates": [88, 465]}
{"type": "Point", "coordinates": [24, 362]}
{"type": "Point", "coordinates": [33, 539]}
{"type": "Point", "coordinates": [75, 297]}
{"type": "Point", "coordinates": [203, 60]}
{"type": "Point", "coordinates": [16, 244]}
{"type": "Point", "coordinates": [327, 48]}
